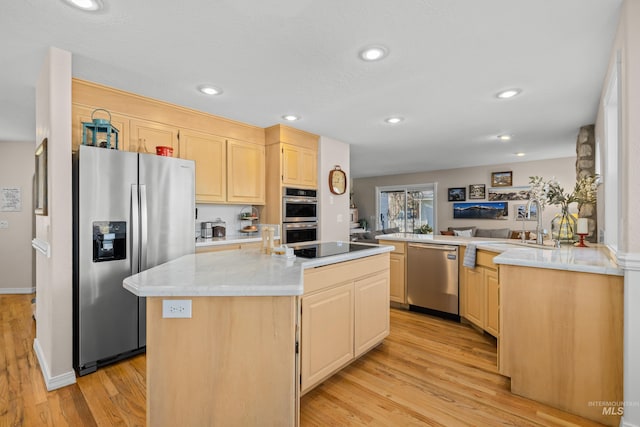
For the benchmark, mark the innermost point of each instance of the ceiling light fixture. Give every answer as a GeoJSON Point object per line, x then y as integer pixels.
{"type": "Point", "coordinates": [504, 138]}
{"type": "Point", "coordinates": [88, 5]}
{"type": "Point", "coordinates": [291, 117]}
{"type": "Point", "coordinates": [394, 120]}
{"type": "Point", "coordinates": [520, 154]}
{"type": "Point", "coordinates": [509, 93]}
{"type": "Point", "coordinates": [209, 90]}
{"type": "Point", "coordinates": [373, 53]}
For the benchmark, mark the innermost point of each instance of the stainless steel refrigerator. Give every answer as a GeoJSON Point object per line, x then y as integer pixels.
{"type": "Point", "coordinates": [131, 212]}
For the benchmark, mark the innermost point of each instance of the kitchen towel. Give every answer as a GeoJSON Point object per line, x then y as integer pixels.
{"type": "Point", "coordinates": [470, 256]}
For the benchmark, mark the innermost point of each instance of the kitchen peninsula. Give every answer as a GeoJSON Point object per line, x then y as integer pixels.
{"type": "Point", "coordinates": [556, 313]}
{"type": "Point", "coordinates": [254, 331]}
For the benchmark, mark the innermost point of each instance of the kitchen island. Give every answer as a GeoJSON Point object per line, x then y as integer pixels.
{"type": "Point", "coordinates": [557, 315]}
{"type": "Point", "coordinates": [229, 345]}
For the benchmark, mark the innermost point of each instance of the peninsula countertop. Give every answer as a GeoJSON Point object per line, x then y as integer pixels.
{"type": "Point", "coordinates": [593, 259]}
{"type": "Point", "coordinates": [246, 272]}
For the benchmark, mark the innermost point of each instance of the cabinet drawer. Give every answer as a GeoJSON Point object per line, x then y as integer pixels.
{"type": "Point", "coordinates": [319, 278]}
{"type": "Point", "coordinates": [399, 246]}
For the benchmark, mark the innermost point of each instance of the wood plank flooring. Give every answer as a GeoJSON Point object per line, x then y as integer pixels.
{"type": "Point", "coordinates": [428, 372]}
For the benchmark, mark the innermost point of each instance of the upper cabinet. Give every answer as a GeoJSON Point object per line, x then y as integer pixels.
{"type": "Point", "coordinates": [210, 156]}
{"type": "Point", "coordinates": [299, 166]}
{"type": "Point", "coordinates": [146, 136]}
{"type": "Point", "coordinates": [245, 172]}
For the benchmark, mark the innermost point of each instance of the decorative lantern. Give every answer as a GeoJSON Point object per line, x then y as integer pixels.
{"type": "Point", "coordinates": [99, 132]}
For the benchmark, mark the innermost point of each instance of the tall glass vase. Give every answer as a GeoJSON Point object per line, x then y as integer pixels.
{"type": "Point", "coordinates": [564, 226]}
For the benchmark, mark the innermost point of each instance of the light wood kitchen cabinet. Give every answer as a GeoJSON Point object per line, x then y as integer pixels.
{"type": "Point", "coordinates": [345, 312]}
{"type": "Point", "coordinates": [398, 271]}
{"type": "Point", "coordinates": [479, 293]}
{"type": "Point", "coordinates": [371, 311]}
{"type": "Point", "coordinates": [82, 114]}
{"type": "Point", "coordinates": [209, 153]}
{"type": "Point", "coordinates": [299, 166]}
{"type": "Point", "coordinates": [145, 136]}
{"type": "Point", "coordinates": [327, 341]}
{"type": "Point", "coordinates": [246, 172]}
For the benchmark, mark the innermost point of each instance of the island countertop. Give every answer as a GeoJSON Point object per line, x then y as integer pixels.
{"type": "Point", "coordinates": [246, 272]}
{"type": "Point", "coordinates": [593, 259]}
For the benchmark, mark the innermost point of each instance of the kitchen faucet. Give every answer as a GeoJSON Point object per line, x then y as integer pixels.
{"type": "Point", "coordinates": [539, 236]}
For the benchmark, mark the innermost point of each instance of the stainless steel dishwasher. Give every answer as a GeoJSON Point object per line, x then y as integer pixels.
{"type": "Point", "coordinates": [432, 282]}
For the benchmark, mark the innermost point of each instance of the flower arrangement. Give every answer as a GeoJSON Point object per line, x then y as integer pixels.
{"type": "Point", "coordinates": [550, 192]}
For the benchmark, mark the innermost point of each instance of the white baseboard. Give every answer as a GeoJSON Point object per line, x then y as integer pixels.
{"type": "Point", "coordinates": [17, 291]}
{"type": "Point", "coordinates": [58, 381]}
{"type": "Point", "coordinates": [623, 423]}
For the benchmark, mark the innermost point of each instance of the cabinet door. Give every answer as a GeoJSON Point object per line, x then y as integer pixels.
{"type": "Point", "coordinates": [371, 311]}
{"type": "Point", "coordinates": [209, 154]}
{"type": "Point", "coordinates": [492, 317]}
{"type": "Point", "coordinates": [397, 287]}
{"type": "Point", "coordinates": [475, 296]}
{"type": "Point", "coordinates": [327, 333]}
{"type": "Point", "coordinates": [245, 172]}
{"type": "Point", "coordinates": [146, 136]}
{"type": "Point", "coordinates": [83, 114]}
{"type": "Point", "coordinates": [299, 166]}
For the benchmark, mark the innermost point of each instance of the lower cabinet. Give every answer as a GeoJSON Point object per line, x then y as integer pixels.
{"type": "Point", "coordinates": [345, 313]}
{"type": "Point", "coordinates": [480, 293]}
{"type": "Point", "coordinates": [398, 266]}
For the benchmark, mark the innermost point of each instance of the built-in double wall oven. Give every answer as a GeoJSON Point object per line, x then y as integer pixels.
{"type": "Point", "coordinates": [299, 215]}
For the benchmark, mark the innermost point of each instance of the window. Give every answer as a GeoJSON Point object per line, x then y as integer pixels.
{"type": "Point", "coordinates": [409, 208]}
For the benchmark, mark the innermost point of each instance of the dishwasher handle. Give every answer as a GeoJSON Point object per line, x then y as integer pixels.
{"type": "Point", "coordinates": [446, 248]}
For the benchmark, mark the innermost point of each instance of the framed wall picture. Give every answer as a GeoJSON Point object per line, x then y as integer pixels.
{"type": "Point", "coordinates": [481, 210]}
{"type": "Point", "coordinates": [458, 194]}
{"type": "Point", "coordinates": [40, 184]}
{"type": "Point", "coordinates": [502, 179]}
{"type": "Point", "coordinates": [520, 213]}
{"type": "Point", "coordinates": [476, 191]}
{"type": "Point", "coordinates": [508, 193]}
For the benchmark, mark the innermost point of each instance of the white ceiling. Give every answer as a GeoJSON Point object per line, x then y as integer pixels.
{"type": "Point", "coordinates": [448, 59]}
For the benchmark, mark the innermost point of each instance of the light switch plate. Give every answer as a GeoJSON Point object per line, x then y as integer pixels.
{"type": "Point", "coordinates": [176, 308]}
{"type": "Point", "coordinates": [4, 224]}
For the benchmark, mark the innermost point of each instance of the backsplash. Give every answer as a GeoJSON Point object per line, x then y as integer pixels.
{"type": "Point", "coordinates": [230, 214]}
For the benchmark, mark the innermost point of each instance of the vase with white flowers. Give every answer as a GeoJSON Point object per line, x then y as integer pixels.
{"type": "Point", "coordinates": [563, 225]}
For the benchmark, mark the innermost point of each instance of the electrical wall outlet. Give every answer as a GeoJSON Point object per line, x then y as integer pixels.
{"type": "Point", "coordinates": [4, 224]}
{"type": "Point", "coordinates": [176, 308]}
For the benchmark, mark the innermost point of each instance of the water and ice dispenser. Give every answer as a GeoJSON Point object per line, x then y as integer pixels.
{"type": "Point", "coordinates": [109, 240]}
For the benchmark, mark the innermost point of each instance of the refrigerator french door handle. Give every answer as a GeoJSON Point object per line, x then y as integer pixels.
{"type": "Point", "coordinates": [135, 229]}
{"type": "Point", "coordinates": [143, 227]}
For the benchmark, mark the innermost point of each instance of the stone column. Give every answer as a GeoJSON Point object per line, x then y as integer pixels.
{"type": "Point", "coordinates": [586, 166]}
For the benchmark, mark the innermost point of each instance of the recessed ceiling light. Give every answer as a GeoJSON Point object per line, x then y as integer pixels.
{"type": "Point", "coordinates": [504, 137]}
{"type": "Point", "coordinates": [291, 117]}
{"type": "Point", "coordinates": [509, 93]}
{"type": "Point", "coordinates": [394, 120]}
{"type": "Point", "coordinates": [520, 154]}
{"type": "Point", "coordinates": [373, 53]}
{"type": "Point", "coordinates": [88, 5]}
{"type": "Point", "coordinates": [209, 90]}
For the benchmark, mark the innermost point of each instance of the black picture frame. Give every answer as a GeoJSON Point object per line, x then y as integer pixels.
{"type": "Point", "coordinates": [457, 194]}
{"type": "Point", "coordinates": [477, 191]}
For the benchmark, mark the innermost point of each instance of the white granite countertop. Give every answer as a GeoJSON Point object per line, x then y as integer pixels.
{"type": "Point", "coordinates": [593, 259]}
{"type": "Point", "coordinates": [245, 272]}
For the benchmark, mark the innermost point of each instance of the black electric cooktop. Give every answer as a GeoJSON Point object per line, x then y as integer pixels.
{"type": "Point", "coordinates": [320, 250]}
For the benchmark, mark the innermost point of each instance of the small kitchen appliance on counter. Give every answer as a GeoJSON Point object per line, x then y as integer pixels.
{"type": "Point", "coordinates": [219, 228]}
{"type": "Point", "coordinates": [206, 229]}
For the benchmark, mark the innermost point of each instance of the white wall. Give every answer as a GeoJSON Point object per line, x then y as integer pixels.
{"type": "Point", "coordinates": [627, 44]}
{"type": "Point", "coordinates": [54, 332]}
{"type": "Point", "coordinates": [16, 254]}
{"type": "Point", "coordinates": [562, 169]}
{"type": "Point", "coordinates": [334, 209]}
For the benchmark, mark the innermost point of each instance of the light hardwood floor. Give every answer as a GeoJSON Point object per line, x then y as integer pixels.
{"type": "Point", "coordinates": [427, 372]}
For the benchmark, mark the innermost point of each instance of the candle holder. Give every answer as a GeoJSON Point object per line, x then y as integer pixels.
{"type": "Point", "coordinates": [581, 242]}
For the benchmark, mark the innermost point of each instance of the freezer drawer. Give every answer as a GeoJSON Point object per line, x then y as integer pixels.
{"type": "Point", "coordinates": [432, 278]}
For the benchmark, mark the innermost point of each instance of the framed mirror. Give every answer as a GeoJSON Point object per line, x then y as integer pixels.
{"type": "Point", "coordinates": [40, 184]}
